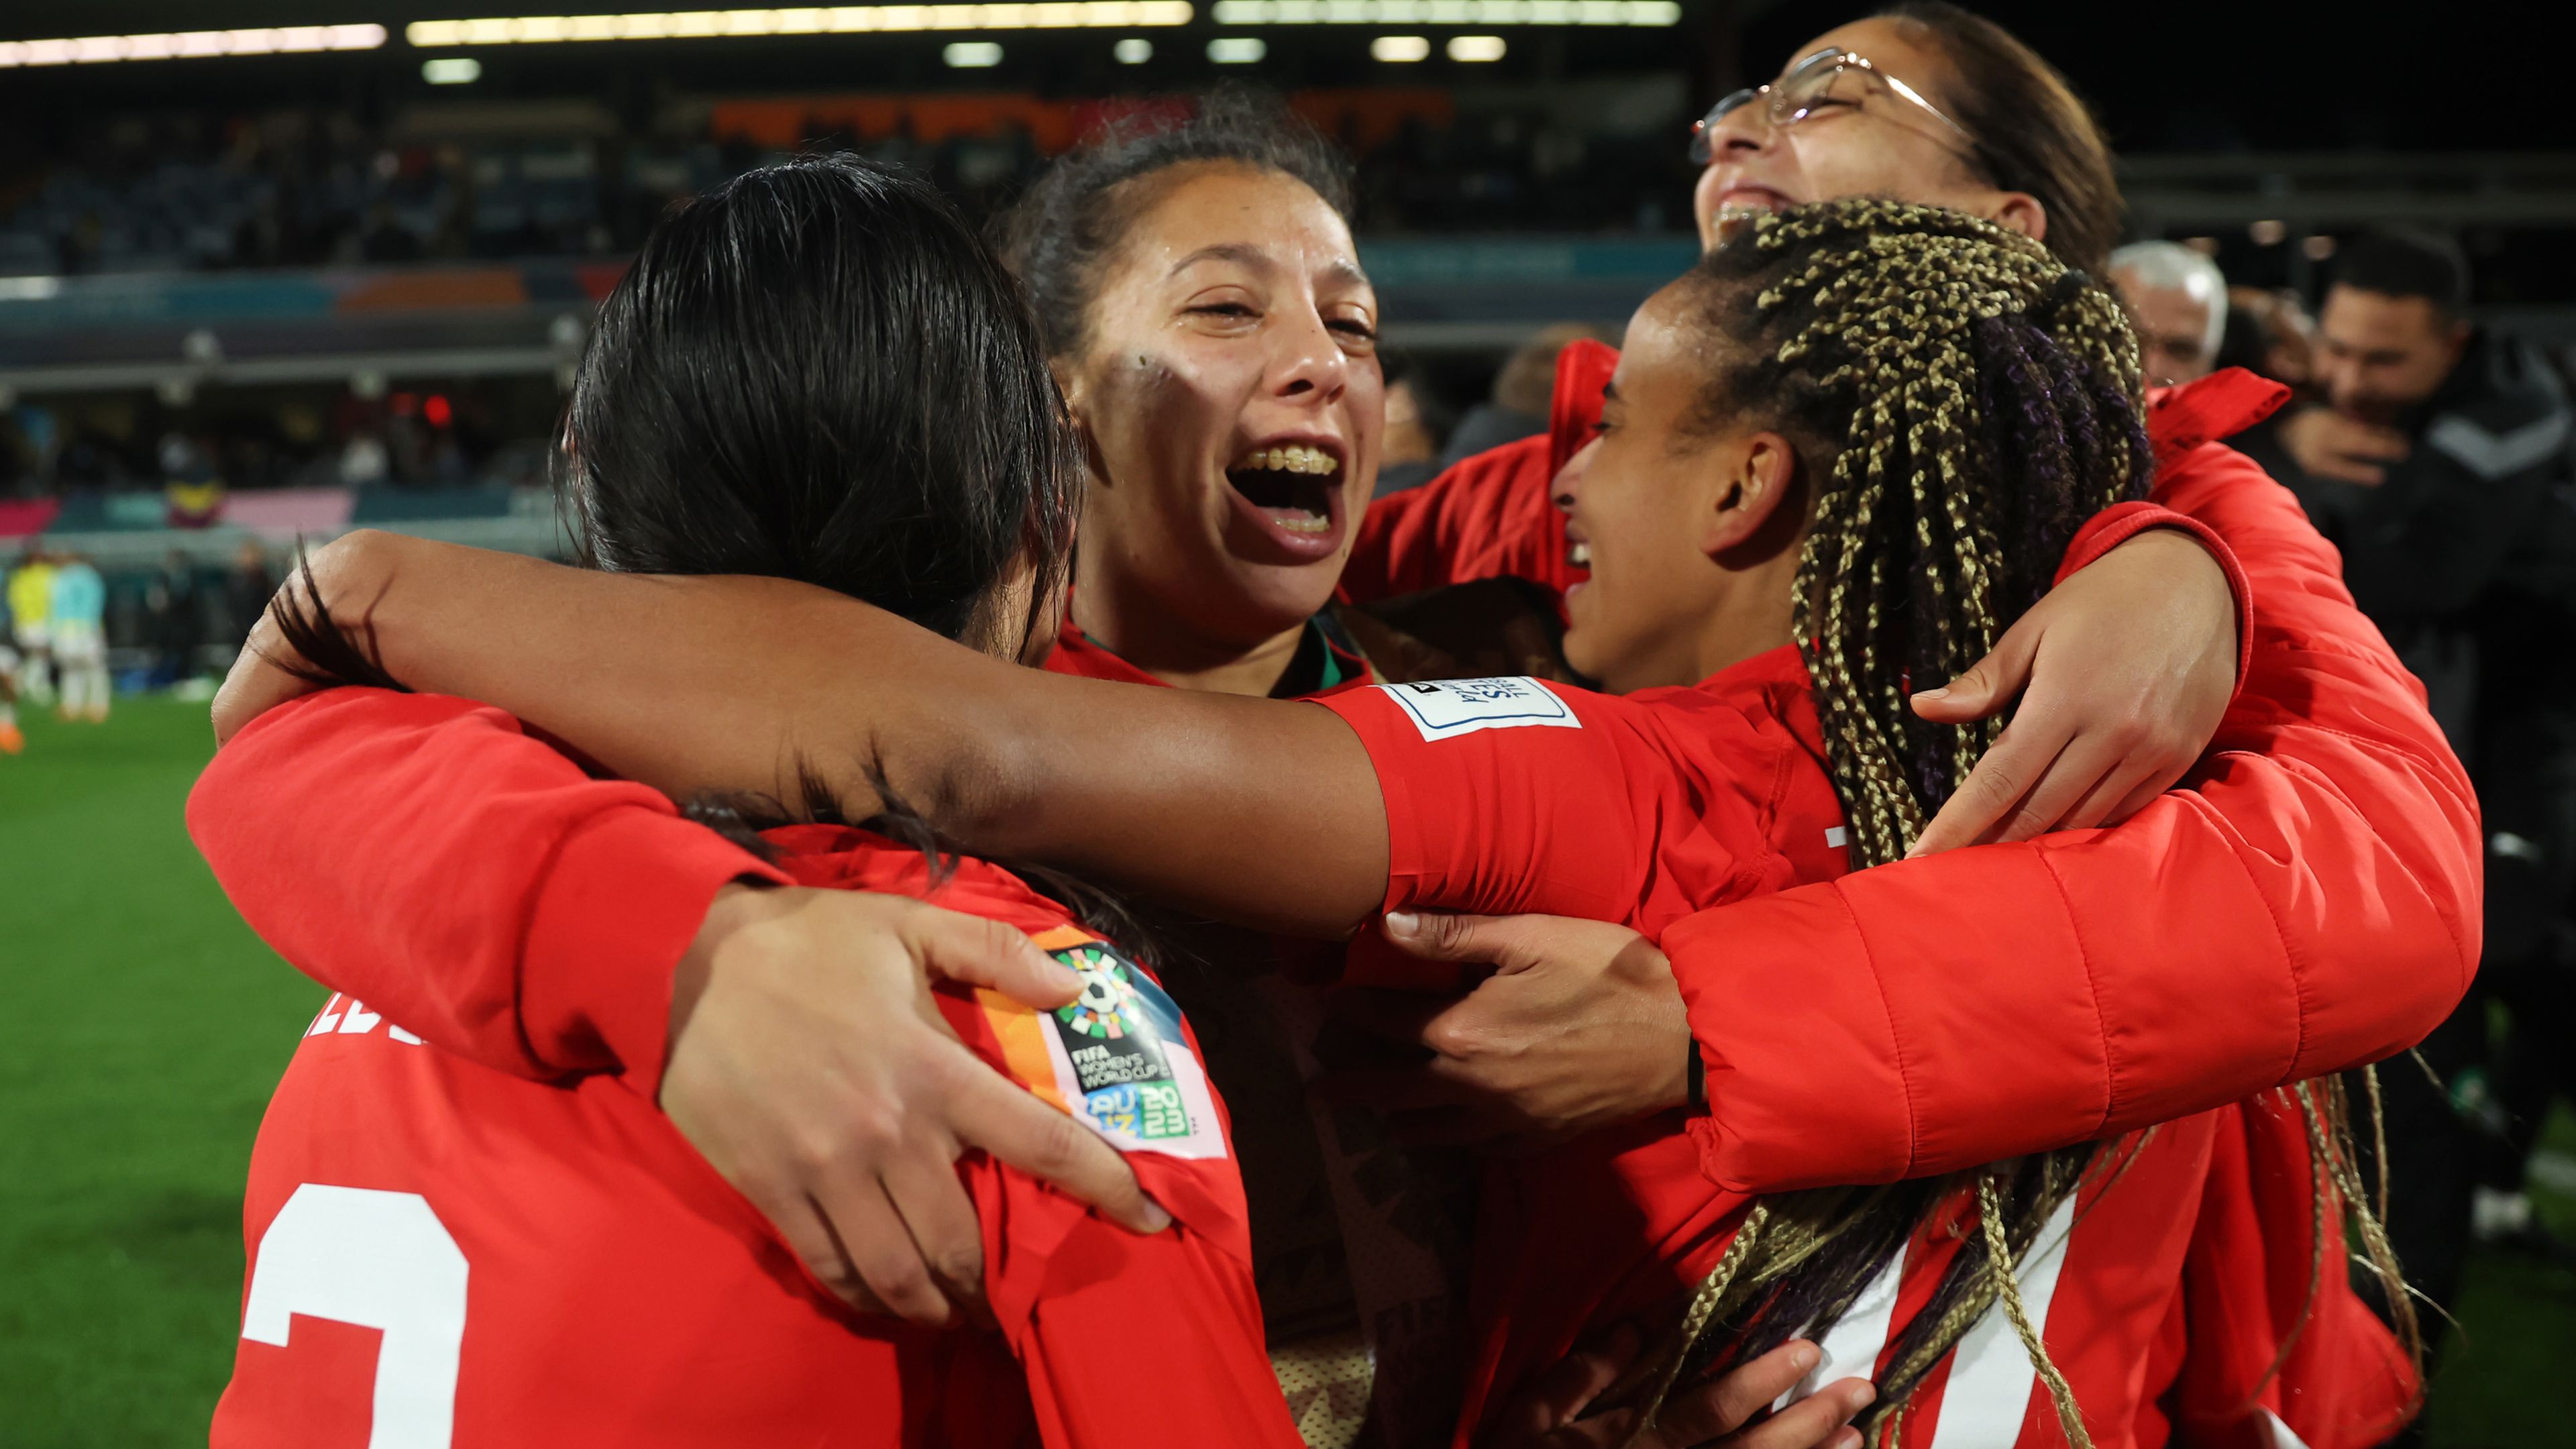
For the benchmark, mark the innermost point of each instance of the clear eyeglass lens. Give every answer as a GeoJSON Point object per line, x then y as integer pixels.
{"type": "Point", "coordinates": [1814, 84]}
{"type": "Point", "coordinates": [1820, 77]}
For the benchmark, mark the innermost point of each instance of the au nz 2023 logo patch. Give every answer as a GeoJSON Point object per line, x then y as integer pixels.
{"type": "Point", "coordinates": [1445, 708]}
{"type": "Point", "coordinates": [1117, 1058]}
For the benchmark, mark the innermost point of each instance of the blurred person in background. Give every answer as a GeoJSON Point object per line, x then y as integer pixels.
{"type": "Point", "coordinates": [247, 587]}
{"type": "Point", "coordinates": [2177, 300]}
{"type": "Point", "coordinates": [31, 607]}
{"type": "Point", "coordinates": [2430, 454]}
{"type": "Point", "coordinates": [78, 628]}
{"type": "Point", "coordinates": [2436, 458]}
{"type": "Point", "coordinates": [1518, 406]}
{"type": "Point", "coordinates": [12, 739]}
{"type": "Point", "coordinates": [364, 460]}
{"type": "Point", "coordinates": [2268, 332]}
{"type": "Point", "coordinates": [176, 604]}
{"type": "Point", "coordinates": [1417, 426]}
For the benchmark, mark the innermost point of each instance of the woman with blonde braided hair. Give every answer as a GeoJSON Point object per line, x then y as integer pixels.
{"type": "Point", "coordinates": [1958, 400]}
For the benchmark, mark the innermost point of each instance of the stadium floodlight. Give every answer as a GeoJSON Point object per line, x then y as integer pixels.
{"type": "Point", "coordinates": [1449, 12]}
{"type": "Point", "coordinates": [803, 20]}
{"type": "Point", "coordinates": [1134, 50]}
{"type": "Point", "coordinates": [1237, 49]}
{"type": "Point", "coordinates": [1475, 47]}
{"type": "Point", "coordinates": [452, 70]}
{"type": "Point", "coordinates": [972, 54]}
{"type": "Point", "coordinates": [190, 44]}
{"type": "Point", "coordinates": [1399, 49]}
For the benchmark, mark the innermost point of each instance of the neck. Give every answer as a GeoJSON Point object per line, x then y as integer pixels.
{"type": "Point", "coordinates": [1752, 611]}
{"type": "Point", "coordinates": [1133, 623]}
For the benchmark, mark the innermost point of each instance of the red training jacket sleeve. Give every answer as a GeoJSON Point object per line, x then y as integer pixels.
{"type": "Point", "coordinates": [1148, 1338]}
{"type": "Point", "coordinates": [2307, 901]}
{"type": "Point", "coordinates": [1507, 795]}
{"type": "Point", "coordinates": [428, 857]}
{"type": "Point", "coordinates": [1455, 528]}
{"type": "Point", "coordinates": [1488, 516]}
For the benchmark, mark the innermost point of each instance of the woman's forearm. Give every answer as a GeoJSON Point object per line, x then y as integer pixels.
{"type": "Point", "coordinates": [1259, 811]}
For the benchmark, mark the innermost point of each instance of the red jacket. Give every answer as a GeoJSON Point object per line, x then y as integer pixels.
{"type": "Point", "coordinates": [438, 1244]}
{"type": "Point", "coordinates": [1490, 515]}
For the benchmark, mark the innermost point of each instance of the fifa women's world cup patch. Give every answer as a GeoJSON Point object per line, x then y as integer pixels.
{"type": "Point", "coordinates": [1443, 708]}
{"type": "Point", "coordinates": [1116, 1059]}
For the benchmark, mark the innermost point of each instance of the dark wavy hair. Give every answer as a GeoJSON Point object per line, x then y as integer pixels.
{"type": "Point", "coordinates": [1060, 233]}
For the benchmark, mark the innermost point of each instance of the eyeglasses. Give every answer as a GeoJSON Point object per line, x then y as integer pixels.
{"type": "Point", "coordinates": [1822, 82]}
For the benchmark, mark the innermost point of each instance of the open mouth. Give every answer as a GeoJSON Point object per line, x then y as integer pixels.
{"type": "Point", "coordinates": [1742, 204]}
{"type": "Point", "coordinates": [1747, 197]}
{"type": "Point", "coordinates": [1292, 487]}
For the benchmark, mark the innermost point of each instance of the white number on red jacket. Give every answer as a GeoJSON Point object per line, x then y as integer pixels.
{"type": "Point", "coordinates": [378, 1260]}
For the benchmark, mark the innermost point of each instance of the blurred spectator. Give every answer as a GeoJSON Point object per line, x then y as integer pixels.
{"type": "Point", "coordinates": [364, 460]}
{"type": "Point", "coordinates": [294, 188]}
{"type": "Point", "coordinates": [2177, 301]}
{"type": "Point", "coordinates": [31, 607]}
{"type": "Point", "coordinates": [1416, 427]}
{"type": "Point", "coordinates": [2268, 333]}
{"type": "Point", "coordinates": [1523, 392]}
{"type": "Point", "coordinates": [2436, 458]}
{"type": "Point", "coordinates": [12, 740]}
{"type": "Point", "coordinates": [78, 632]}
{"type": "Point", "coordinates": [177, 608]}
{"type": "Point", "coordinates": [247, 588]}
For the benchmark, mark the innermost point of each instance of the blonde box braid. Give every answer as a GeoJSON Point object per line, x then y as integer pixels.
{"type": "Point", "coordinates": [1965, 401]}
{"type": "Point", "coordinates": [1962, 444]}
{"type": "Point", "coordinates": [1962, 401]}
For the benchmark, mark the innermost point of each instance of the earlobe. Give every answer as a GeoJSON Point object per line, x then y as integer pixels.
{"type": "Point", "coordinates": [2022, 212]}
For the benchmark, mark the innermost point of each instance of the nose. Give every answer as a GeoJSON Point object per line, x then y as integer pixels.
{"type": "Point", "coordinates": [1309, 365]}
{"type": "Point", "coordinates": [1744, 131]}
{"type": "Point", "coordinates": [1569, 479]}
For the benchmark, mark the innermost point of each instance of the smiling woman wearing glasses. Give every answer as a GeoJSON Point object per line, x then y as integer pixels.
{"type": "Point", "coordinates": [1924, 103]}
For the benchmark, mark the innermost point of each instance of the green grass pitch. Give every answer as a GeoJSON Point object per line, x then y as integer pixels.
{"type": "Point", "coordinates": [142, 1028]}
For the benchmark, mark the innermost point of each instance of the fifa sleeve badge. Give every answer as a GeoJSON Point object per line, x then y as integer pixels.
{"type": "Point", "coordinates": [1116, 1059]}
{"type": "Point", "coordinates": [1444, 708]}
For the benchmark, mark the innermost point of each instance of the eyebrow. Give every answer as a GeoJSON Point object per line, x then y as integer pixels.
{"type": "Point", "coordinates": [1610, 390]}
{"type": "Point", "coordinates": [1244, 255]}
{"type": "Point", "coordinates": [1236, 252]}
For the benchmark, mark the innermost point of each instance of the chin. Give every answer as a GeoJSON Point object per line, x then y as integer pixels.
{"type": "Point", "coordinates": [1576, 646]}
{"type": "Point", "coordinates": [1265, 600]}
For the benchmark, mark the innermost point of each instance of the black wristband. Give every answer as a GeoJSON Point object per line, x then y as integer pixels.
{"type": "Point", "coordinates": [1695, 1083]}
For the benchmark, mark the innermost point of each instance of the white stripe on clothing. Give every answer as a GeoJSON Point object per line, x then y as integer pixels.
{"type": "Point", "coordinates": [1991, 1375]}
{"type": "Point", "coordinates": [1852, 1346]}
